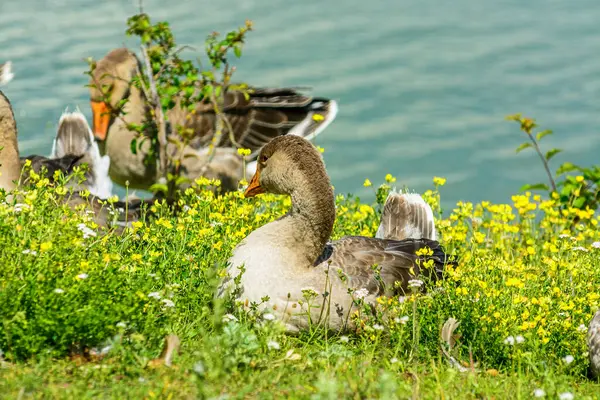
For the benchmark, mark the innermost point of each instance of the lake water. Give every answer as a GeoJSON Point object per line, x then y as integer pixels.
{"type": "Point", "coordinates": [423, 87]}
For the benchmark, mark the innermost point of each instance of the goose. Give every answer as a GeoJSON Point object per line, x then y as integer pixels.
{"type": "Point", "coordinates": [285, 258]}
{"type": "Point", "coordinates": [593, 342]}
{"type": "Point", "coordinates": [73, 146]}
{"type": "Point", "coordinates": [11, 166]}
{"type": "Point", "coordinates": [266, 113]}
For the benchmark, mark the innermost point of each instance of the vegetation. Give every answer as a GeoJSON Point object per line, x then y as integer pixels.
{"type": "Point", "coordinates": [86, 312]}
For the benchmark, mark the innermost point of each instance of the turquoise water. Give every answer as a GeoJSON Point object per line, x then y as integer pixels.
{"type": "Point", "coordinates": [423, 86]}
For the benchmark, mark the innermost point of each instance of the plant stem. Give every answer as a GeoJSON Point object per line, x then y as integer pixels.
{"type": "Point", "coordinates": [546, 167]}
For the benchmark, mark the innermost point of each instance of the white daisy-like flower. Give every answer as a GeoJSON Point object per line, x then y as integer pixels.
{"type": "Point", "coordinates": [154, 295]}
{"type": "Point", "coordinates": [269, 317]}
{"type": "Point", "coordinates": [539, 393]}
{"type": "Point", "coordinates": [30, 252]}
{"type": "Point", "coordinates": [582, 328]}
{"type": "Point", "coordinates": [566, 396]}
{"type": "Point", "coordinates": [402, 320]}
{"type": "Point", "coordinates": [520, 339]}
{"type": "Point", "coordinates": [168, 303]}
{"type": "Point", "coordinates": [121, 324]}
{"type": "Point", "coordinates": [344, 339]}
{"type": "Point", "coordinates": [58, 290]}
{"type": "Point", "coordinates": [361, 293]}
{"type": "Point", "coordinates": [564, 236]}
{"type": "Point", "coordinates": [199, 368]}
{"type": "Point", "coordinates": [82, 276]}
{"type": "Point", "coordinates": [579, 248]}
{"type": "Point", "coordinates": [393, 360]}
{"type": "Point", "coordinates": [273, 345]}
{"type": "Point", "coordinates": [596, 245]}
{"type": "Point", "coordinates": [509, 340]}
{"type": "Point", "coordinates": [229, 318]}
{"type": "Point", "coordinates": [415, 283]}
{"type": "Point", "coordinates": [568, 359]}
{"type": "Point", "coordinates": [378, 327]}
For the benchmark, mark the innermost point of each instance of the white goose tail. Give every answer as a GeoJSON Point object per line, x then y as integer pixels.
{"type": "Point", "coordinates": [74, 137]}
{"type": "Point", "coordinates": [406, 215]}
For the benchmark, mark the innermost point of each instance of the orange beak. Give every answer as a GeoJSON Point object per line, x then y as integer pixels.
{"type": "Point", "coordinates": [254, 187]}
{"type": "Point", "coordinates": [101, 114]}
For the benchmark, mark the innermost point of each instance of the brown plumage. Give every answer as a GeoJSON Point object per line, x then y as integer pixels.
{"type": "Point", "coordinates": [250, 122]}
{"type": "Point", "coordinates": [405, 216]}
{"type": "Point", "coordinates": [10, 171]}
{"type": "Point", "coordinates": [593, 342]}
{"type": "Point", "coordinates": [291, 254]}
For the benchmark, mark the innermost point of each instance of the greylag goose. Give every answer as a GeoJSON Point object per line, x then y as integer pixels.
{"type": "Point", "coordinates": [593, 342]}
{"type": "Point", "coordinates": [73, 146]}
{"type": "Point", "coordinates": [254, 121]}
{"type": "Point", "coordinates": [10, 169]}
{"type": "Point", "coordinates": [286, 257]}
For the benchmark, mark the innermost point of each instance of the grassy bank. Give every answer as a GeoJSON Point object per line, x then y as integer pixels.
{"type": "Point", "coordinates": [84, 313]}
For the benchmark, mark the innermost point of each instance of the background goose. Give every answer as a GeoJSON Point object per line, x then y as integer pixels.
{"type": "Point", "coordinates": [266, 114]}
{"type": "Point", "coordinates": [291, 254]}
{"type": "Point", "coordinates": [73, 146]}
{"type": "Point", "coordinates": [10, 168]}
{"type": "Point", "coordinates": [593, 341]}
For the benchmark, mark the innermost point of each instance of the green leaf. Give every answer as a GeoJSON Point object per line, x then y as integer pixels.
{"type": "Point", "coordinates": [543, 133]}
{"type": "Point", "coordinates": [237, 50]}
{"type": "Point", "coordinates": [579, 202]}
{"type": "Point", "coordinates": [536, 186]}
{"type": "Point", "coordinates": [566, 167]}
{"type": "Point", "coordinates": [552, 153]}
{"type": "Point", "coordinates": [159, 187]}
{"type": "Point", "coordinates": [523, 146]}
{"type": "Point", "coordinates": [133, 146]}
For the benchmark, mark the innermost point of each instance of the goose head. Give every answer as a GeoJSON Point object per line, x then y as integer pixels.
{"type": "Point", "coordinates": [287, 165]}
{"type": "Point", "coordinates": [10, 166]}
{"type": "Point", "coordinates": [113, 73]}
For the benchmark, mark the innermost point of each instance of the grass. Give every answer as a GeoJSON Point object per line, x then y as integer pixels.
{"type": "Point", "coordinates": [524, 272]}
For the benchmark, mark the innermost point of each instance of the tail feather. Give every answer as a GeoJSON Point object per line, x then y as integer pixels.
{"type": "Point", "coordinates": [75, 138]}
{"type": "Point", "coordinates": [406, 216]}
{"type": "Point", "coordinates": [6, 74]}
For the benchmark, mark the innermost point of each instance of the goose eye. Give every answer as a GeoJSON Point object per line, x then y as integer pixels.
{"type": "Point", "coordinates": [263, 159]}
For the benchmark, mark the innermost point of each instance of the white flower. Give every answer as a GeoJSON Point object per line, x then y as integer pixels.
{"type": "Point", "coordinates": [58, 290]}
{"type": "Point", "coordinates": [566, 396]}
{"type": "Point", "coordinates": [168, 303]}
{"type": "Point", "coordinates": [539, 393]}
{"type": "Point", "coordinates": [361, 293]}
{"type": "Point", "coordinates": [199, 368]}
{"type": "Point", "coordinates": [564, 236]}
{"type": "Point", "coordinates": [568, 359]}
{"type": "Point", "coordinates": [393, 360]}
{"type": "Point", "coordinates": [229, 318]}
{"type": "Point", "coordinates": [509, 340]}
{"type": "Point", "coordinates": [82, 276]}
{"type": "Point", "coordinates": [402, 320]}
{"type": "Point", "coordinates": [154, 295]}
{"type": "Point", "coordinates": [344, 339]}
{"type": "Point", "coordinates": [582, 328]}
{"type": "Point", "coordinates": [415, 283]}
{"type": "Point", "coordinates": [520, 339]}
{"type": "Point", "coordinates": [579, 248]}
{"type": "Point", "coordinates": [401, 299]}
{"type": "Point", "coordinates": [269, 317]}
{"type": "Point", "coordinates": [273, 345]}
{"type": "Point", "coordinates": [378, 327]}
{"type": "Point", "coordinates": [121, 324]}
{"type": "Point", "coordinates": [87, 232]}
{"type": "Point", "coordinates": [31, 252]}
{"type": "Point", "coordinates": [596, 245]}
